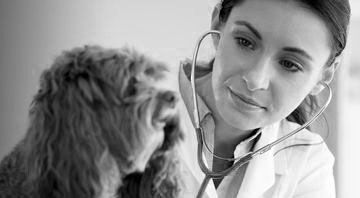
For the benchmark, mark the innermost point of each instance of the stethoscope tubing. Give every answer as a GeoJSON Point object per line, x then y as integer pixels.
{"type": "Point", "coordinates": [248, 156]}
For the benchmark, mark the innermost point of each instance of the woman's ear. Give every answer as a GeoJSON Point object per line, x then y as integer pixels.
{"type": "Point", "coordinates": [215, 23]}
{"type": "Point", "coordinates": [327, 76]}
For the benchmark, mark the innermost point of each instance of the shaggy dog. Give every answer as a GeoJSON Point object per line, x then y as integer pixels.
{"type": "Point", "coordinates": [99, 128]}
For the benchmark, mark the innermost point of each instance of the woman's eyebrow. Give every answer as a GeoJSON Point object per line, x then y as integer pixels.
{"type": "Point", "coordinates": [298, 51]}
{"type": "Point", "coordinates": [250, 27]}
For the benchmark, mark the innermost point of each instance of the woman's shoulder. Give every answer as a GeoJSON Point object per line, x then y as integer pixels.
{"type": "Point", "coordinates": [304, 136]}
{"type": "Point", "coordinates": [306, 148]}
{"type": "Point", "coordinates": [308, 163]}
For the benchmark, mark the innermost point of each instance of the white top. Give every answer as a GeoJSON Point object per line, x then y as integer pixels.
{"type": "Point", "coordinates": [299, 171]}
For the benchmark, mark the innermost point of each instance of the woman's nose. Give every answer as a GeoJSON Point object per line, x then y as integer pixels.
{"type": "Point", "coordinates": [258, 74]}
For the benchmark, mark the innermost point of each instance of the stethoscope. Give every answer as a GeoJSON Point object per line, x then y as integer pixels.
{"type": "Point", "coordinates": [248, 156]}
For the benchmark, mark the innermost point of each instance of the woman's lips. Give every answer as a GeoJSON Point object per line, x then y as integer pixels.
{"type": "Point", "coordinates": [248, 101]}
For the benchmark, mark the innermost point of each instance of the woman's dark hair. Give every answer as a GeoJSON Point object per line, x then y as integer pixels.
{"type": "Point", "coordinates": [336, 14]}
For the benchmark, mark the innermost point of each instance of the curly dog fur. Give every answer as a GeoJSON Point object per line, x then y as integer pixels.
{"type": "Point", "coordinates": [99, 127]}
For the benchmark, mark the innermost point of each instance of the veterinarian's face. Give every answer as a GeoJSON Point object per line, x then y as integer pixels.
{"type": "Point", "coordinates": [270, 56]}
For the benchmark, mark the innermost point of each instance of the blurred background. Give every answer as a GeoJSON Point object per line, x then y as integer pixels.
{"type": "Point", "coordinates": [34, 32]}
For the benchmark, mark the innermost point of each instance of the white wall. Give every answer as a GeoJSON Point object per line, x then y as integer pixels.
{"type": "Point", "coordinates": [348, 158]}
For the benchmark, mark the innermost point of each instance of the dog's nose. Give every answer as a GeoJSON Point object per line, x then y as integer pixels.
{"type": "Point", "coordinates": [170, 97]}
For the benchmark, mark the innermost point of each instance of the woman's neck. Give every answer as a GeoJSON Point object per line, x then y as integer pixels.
{"type": "Point", "coordinates": [226, 137]}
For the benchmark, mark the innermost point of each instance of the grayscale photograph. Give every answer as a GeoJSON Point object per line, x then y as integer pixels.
{"type": "Point", "coordinates": [179, 98]}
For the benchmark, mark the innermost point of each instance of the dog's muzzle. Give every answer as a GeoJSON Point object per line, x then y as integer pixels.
{"type": "Point", "coordinates": [167, 115]}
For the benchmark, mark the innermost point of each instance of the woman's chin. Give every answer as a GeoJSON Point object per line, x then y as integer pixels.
{"type": "Point", "coordinates": [238, 119]}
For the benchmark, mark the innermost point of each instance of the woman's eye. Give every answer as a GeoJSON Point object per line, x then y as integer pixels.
{"type": "Point", "coordinates": [243, 42]}
{"type": "Point", "coordinates": [290, 66]}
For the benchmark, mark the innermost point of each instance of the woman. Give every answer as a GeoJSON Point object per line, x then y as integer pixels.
{"type": "Point", "coordinates": [272, 57]}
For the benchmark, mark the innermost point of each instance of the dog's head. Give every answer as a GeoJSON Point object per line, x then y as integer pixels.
{"type": "Point", "coordinates": [94, 102]}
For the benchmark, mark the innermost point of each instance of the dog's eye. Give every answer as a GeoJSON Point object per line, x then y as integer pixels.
{"type": "Point", "coordinates": [150, 71]}
{"type": "Point", "coordinates": [156, 72]}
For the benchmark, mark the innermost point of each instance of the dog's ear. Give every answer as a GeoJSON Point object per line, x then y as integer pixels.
{"type": "Point", "coordinates": [74, 104]}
